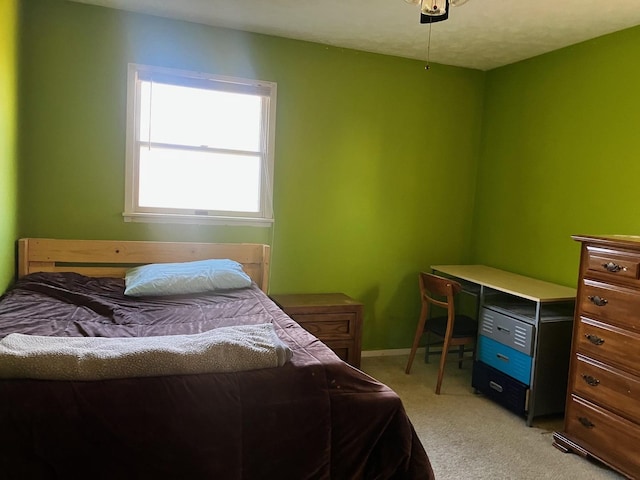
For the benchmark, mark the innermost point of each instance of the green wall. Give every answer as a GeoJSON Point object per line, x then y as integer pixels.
{"type": "Point", "coordinates": [560, 155]}
{"type": "Point", "coordinates": [8, 139]}
{"type": "Point", "coordinates": [381, 168]}
{"type": "Point", "coordinates": [375, 161]}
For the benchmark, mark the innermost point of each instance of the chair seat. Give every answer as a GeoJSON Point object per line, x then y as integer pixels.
{"type": "Point", "coordinates": [464, 326]}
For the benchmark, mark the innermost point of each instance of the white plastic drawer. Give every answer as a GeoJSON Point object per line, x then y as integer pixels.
{"type": "Point", "coordinates": [507, 330]}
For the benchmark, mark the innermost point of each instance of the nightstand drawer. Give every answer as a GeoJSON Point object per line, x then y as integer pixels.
{"type": "Point", "coordinates": [334, 326]}
{"type": "Point", "coordinates": [341, 348]}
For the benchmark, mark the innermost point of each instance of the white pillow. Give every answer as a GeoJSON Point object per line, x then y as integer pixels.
{"type": "Point", "coordinates": [186, 277]}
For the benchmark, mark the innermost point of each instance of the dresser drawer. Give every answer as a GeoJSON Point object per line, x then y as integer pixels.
{"type": "Point", "coordinates": [333, 326]}
{"type": "Point", "coordinates": [617, 305]}
{"type": "Point", "coordinates": [500, 387]}
{"type": "Point", "coordinates": [612, 265]}
{"type": "Point", "coordinates": [606, 435]}
{"type": "Point", "coordinates": [507, 330]}
{"type": "Point", "coordinates": [608, 343]}
{"type": "Point", "coordinates": [607, 386]}
{"type": "Point", "coordinates": [506, 359]}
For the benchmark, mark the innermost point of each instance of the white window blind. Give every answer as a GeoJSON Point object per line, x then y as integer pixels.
{"type": "Point", "coordinates": [199, 148]}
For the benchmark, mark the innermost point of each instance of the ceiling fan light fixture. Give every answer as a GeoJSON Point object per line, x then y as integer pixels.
{"type": "Point", "coordinates": [434, 8]}
{"type": "Point", "coordinates": [432, 11]}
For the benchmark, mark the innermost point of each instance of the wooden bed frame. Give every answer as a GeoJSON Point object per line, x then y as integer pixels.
{"type": "Point", "coordinates": [112, 258]}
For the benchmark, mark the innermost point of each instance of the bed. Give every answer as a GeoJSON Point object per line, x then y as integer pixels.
{"type": "Point", "coordinates": [311, 417]}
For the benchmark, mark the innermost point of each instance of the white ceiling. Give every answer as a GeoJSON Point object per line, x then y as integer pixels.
{"type": "Point", "coordinates": [481, 34]}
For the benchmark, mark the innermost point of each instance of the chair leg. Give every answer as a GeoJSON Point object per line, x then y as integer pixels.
{"type": "Point", "coordinates": [426, 348]}
{"type": "Point", "coordinates": [418, 336]}
{"type": "Point", "coordinates": [460, 355]}
{"type": "Point", "coordinates": [443, 361]}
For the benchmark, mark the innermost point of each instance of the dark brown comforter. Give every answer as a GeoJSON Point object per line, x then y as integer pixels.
{"type": "Point", "coordinates": [314, 418]}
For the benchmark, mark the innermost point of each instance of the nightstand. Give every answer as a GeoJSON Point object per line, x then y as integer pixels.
{"type": "Point", "coordinates": [334, 318]}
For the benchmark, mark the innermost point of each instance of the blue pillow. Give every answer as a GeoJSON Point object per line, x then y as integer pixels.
{"type": "Point", "coordinates": [183, 278]}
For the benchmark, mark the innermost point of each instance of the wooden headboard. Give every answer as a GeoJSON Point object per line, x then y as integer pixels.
{"type": "Point", "coordinates": [112, 258]}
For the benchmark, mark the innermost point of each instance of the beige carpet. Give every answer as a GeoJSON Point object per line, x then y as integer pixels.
{"type": "Point", "coordinates": [469, 437]}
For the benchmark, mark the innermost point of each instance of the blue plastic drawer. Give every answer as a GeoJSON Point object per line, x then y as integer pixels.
{"type": "Point", "coordinates": [506, 359]}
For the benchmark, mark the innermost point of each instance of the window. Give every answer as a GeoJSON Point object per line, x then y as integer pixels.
{"type": "Point", "coordinates": [199, 148]}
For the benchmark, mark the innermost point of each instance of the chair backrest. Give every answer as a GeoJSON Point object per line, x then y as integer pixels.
{"type": "Point", "coordinates": [439, 290]}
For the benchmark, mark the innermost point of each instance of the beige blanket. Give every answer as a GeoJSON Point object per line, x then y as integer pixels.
{"type": "Point", "coordinates": [225, 349]}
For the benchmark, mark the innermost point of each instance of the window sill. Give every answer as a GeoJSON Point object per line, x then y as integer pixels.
{"type": "Point", "coordinates": [196, 219]}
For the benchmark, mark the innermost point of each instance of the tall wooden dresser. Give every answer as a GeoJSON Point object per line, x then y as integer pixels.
{"type": "Point", "coordinates": [602, 418]}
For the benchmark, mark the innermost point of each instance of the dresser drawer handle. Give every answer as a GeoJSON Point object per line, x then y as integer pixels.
{"type": "Point", "coordinates": [596, 340]}
{"type": "Point", "coordinates": [502, 357]}
{"type": "Point", "coordinates": [594, 382]}
{"type": "Point", "coordinates": [502, 329]}
{"type": "Point", "coordinates": [613, 267]}
{"type": "Point", "coordinates": [586, 422]}
{"type": "Point", "coordinates": [598, 301]}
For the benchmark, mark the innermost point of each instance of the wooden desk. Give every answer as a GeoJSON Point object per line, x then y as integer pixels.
{"type": "Point", "coordinates": [524, 337]}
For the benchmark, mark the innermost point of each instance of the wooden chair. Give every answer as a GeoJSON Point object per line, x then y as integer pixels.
{"type": "Point", "coordinates": [454, 330]}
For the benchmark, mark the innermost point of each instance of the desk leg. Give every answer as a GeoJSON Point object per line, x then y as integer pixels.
{"type": "Point", "coordinates": [530, 417]}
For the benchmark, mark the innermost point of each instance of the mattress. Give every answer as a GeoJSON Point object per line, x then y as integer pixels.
{"type": "Point", "coordinates": [315, 417]}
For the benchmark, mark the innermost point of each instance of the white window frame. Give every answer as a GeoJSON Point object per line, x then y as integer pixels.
{"type": "Point", "coordinates": [267, 90]}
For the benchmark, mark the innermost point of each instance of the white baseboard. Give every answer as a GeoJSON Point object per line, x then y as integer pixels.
{"type": "Point", "coordinates": [390, 352]}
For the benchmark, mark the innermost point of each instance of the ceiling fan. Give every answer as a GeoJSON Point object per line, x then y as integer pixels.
{"type": "Point", "coordinates": [432, 11]}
